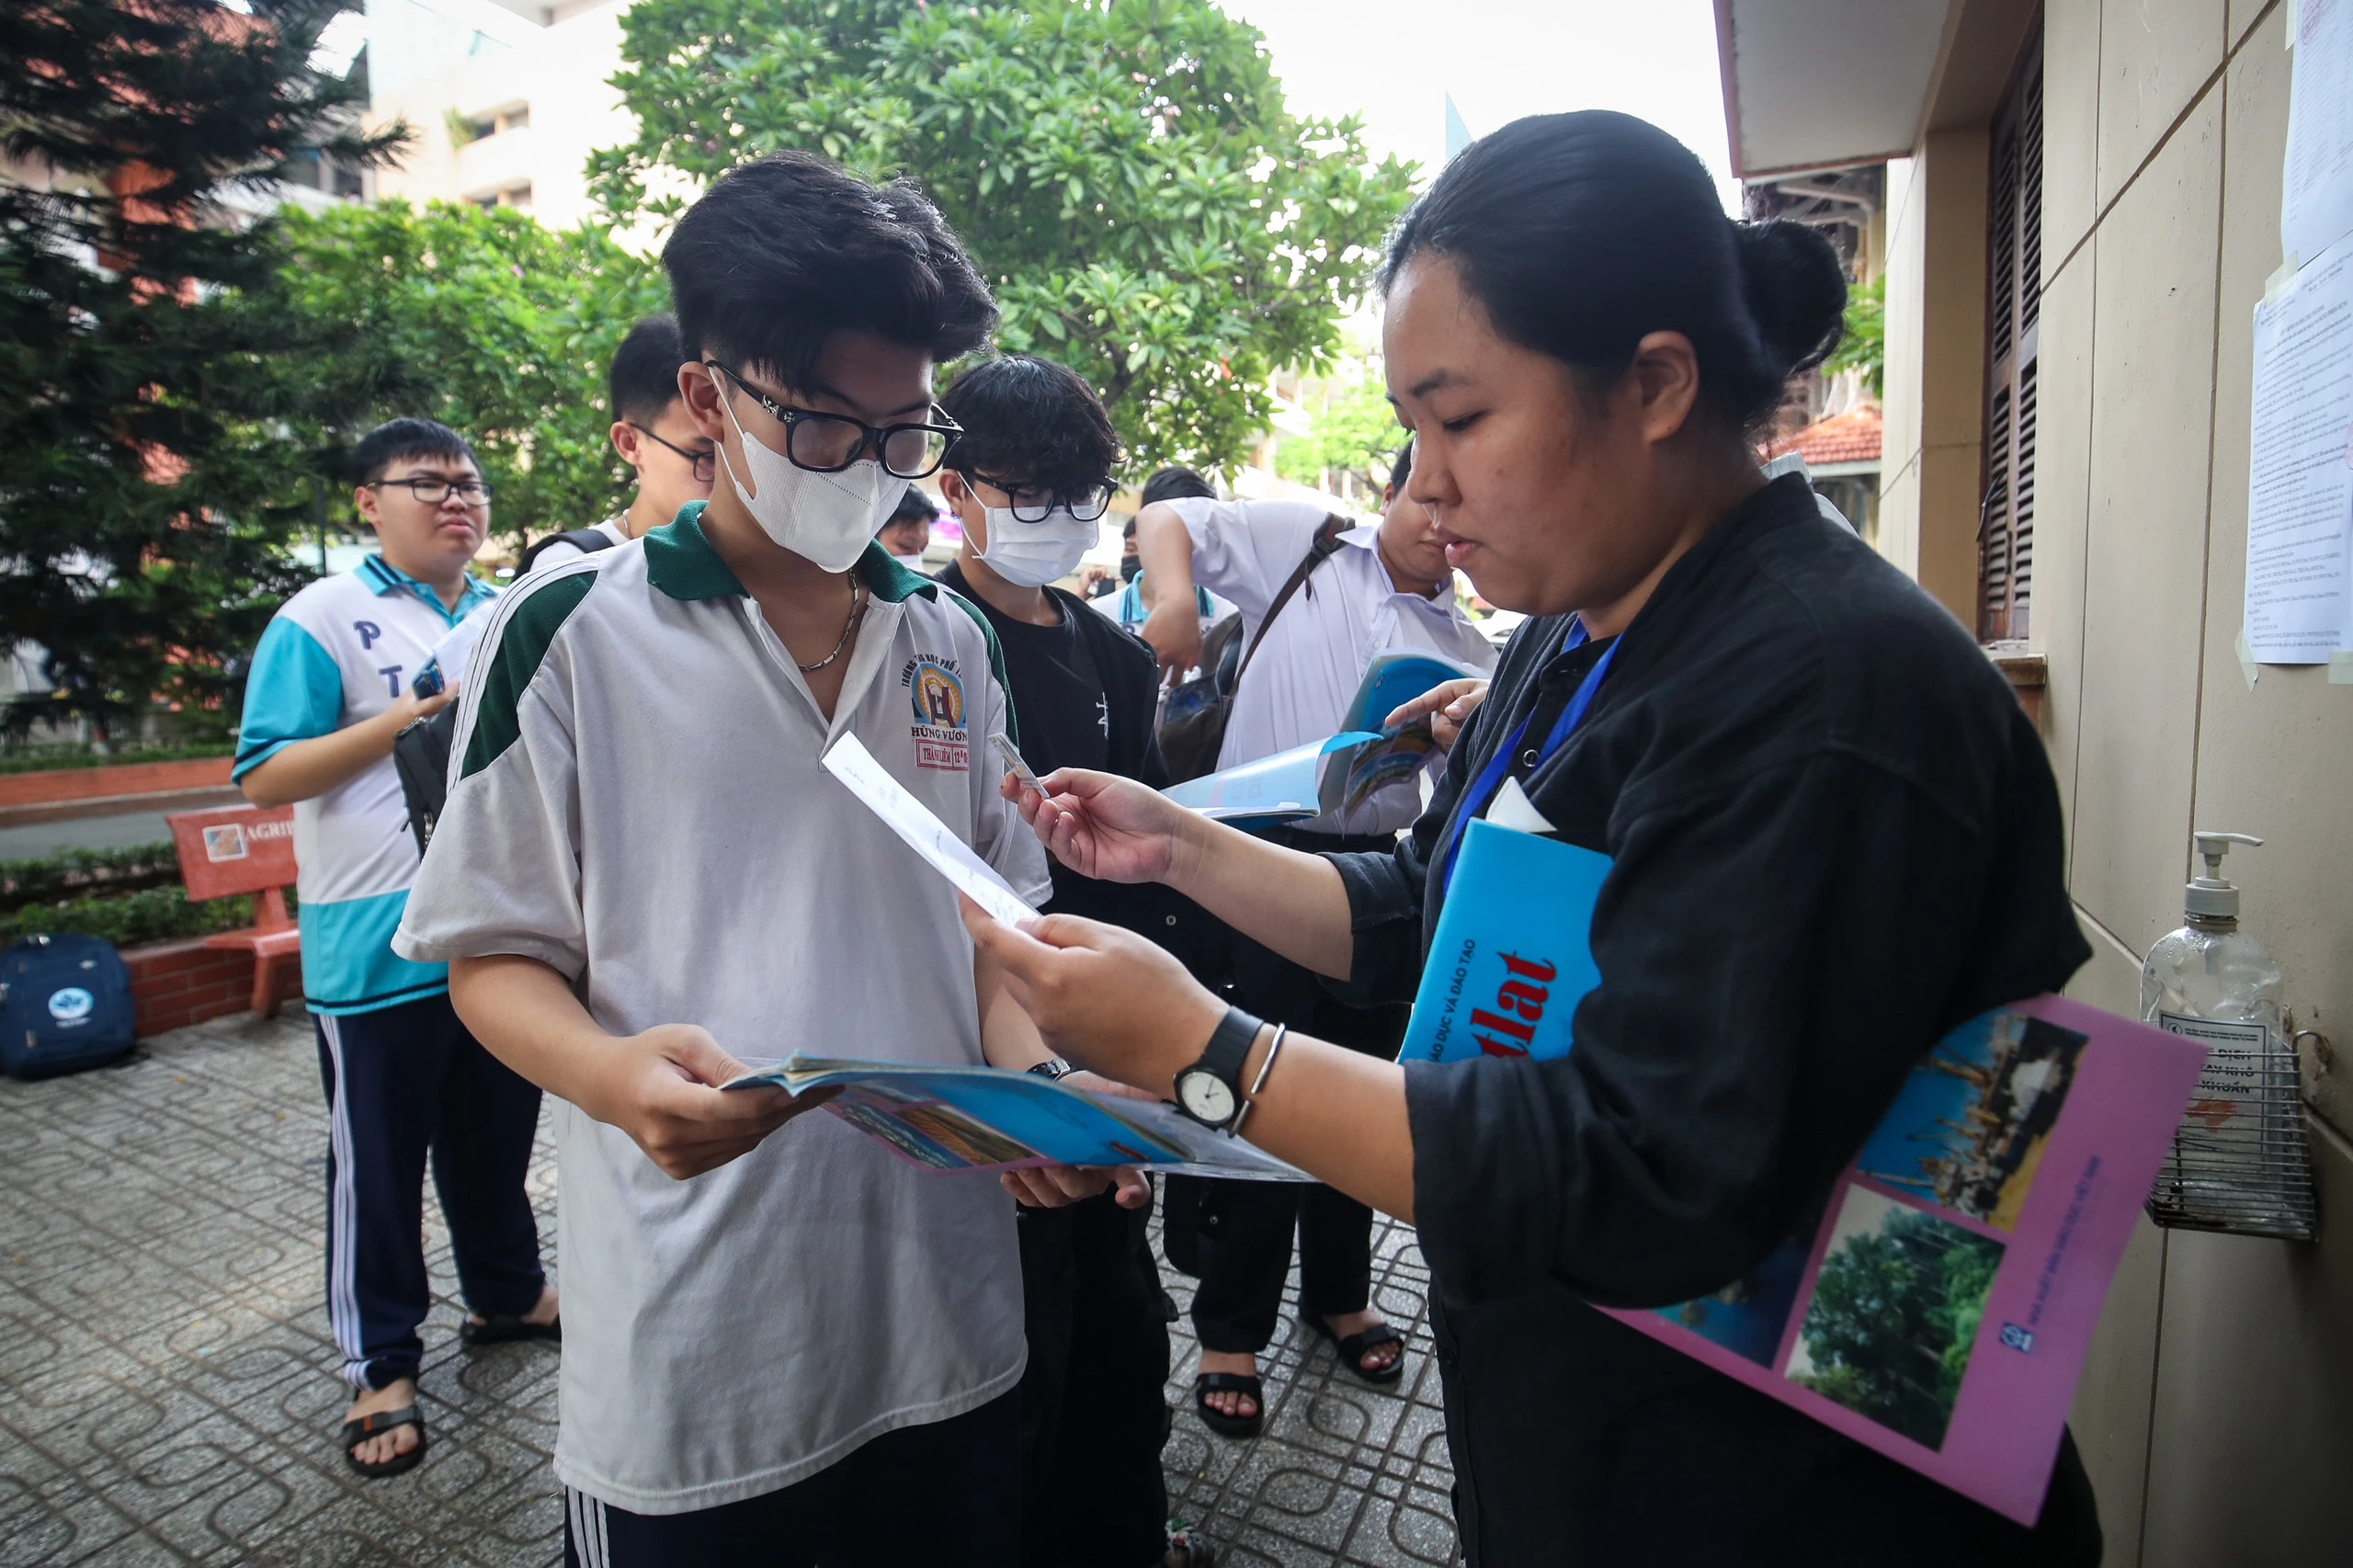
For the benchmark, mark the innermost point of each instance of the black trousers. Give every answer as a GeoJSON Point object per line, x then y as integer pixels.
{"type": "Point", "coordinates": [941, 1493]}
{"type": "Point", "coordinates": [1235, 1236]}
{"type": "Point", "coordinates": [400, 1081]}
{"type": "Point", "coordinates": [1094, 1401]}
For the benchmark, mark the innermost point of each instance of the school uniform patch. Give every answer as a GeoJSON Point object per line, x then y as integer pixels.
{"type": "Point", "coordinates": [936, 696]}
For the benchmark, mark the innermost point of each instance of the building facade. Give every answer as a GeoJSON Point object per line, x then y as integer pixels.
{"type": "Point", "coordinates": [506, 100]}
{"type": "Point", "coordinates": [2082, 212]}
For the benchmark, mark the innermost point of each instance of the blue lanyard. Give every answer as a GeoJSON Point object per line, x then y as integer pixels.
{"type": "Point", "coordinates": [1491, 778]}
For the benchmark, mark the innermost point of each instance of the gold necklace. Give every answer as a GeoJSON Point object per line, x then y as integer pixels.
{"type": "Point", "coordinates": [857, 607]}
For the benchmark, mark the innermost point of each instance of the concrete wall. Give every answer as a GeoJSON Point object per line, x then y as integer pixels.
{"type": "Point", "coordinates": [1934, 462]}
{"type": "Point", "coordinates": [2217, 1415]}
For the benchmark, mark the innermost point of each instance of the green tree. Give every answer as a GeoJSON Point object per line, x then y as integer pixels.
{"type": "Point", "coordinates": [1885, 1328]}
{"type": "Point", "coordinates": [1124, 171]}
{"type": "Point", "coordinates": [485, 319]}
{"type": "Point", "coordinates": [1864, 346]}
{"type": "Point", "coordinates": [141, 521]}
{"type": "Point", "coordinates": [1355, 431]}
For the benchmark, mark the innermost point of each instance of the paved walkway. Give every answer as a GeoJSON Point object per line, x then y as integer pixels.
{"type": "Point", "coordinates": [165, 1393]}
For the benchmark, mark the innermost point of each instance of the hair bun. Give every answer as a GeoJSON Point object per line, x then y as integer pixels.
{"type": "Point", "coordinates": [1796, 288]}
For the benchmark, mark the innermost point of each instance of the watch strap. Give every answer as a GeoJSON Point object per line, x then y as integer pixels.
{"type": "Point", "coordinates": [1229, 1048]}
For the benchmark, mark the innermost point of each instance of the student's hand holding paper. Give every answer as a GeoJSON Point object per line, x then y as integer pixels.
{"type": "Point", "coordinates": [1450, 705]}
{"type": "Point", "coordinates": [662, 1088]}
{"type": "Point", "coordinates": [1104, 826]}
{"type": "Point", "coordinates": [1052, 1187]}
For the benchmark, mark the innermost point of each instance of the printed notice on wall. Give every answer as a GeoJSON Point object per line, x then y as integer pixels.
{"type": "Point", "coordinates": [2316, 183]}
{"type": "Point", "coordinates": [2299, 482]}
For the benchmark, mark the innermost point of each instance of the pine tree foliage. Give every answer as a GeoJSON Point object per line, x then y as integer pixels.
{"type": "Point", "coordinates": [143, 507]}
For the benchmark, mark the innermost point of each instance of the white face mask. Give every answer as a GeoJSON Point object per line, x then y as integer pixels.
{"type": "Point", "coordinates": [1030, 555]}
{"type": "Point", "coordinates": [827, 518]}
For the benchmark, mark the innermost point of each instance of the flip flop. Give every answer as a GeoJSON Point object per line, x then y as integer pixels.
{"type": "Point", "coordinates": [1217, 1420]}
{"type": "Point", "coordinates": [502, 1328]}
{"type": "Point", "coordinates": [376, 1425]}
{"type": "Point", "coordinates": [1353, 1347]}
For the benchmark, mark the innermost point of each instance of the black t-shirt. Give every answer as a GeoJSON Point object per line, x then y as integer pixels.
{"type": "Point", "coordinates": [1085, 694]}
{"type": "Point", "coordinates": [1834, 837]}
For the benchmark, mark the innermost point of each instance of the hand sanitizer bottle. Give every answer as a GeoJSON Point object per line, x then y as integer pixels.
{"type": "Point", "coordinates": [2239, 1162]}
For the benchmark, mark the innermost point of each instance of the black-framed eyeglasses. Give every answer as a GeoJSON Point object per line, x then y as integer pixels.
{"type": "Point", "coordinates": [431, 492]}
{"type": "Point", "coordinates": [706, 462]}
{"type": "Point", "coordinates": [828, 443]}
{"type": "Point", "coordinates": [1031, 503]}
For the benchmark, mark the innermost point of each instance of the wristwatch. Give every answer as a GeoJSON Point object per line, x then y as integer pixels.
{"type": "Point", "coordinates": [1209, 1091]}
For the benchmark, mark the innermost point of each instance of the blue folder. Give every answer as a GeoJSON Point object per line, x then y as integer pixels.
{"type": "Point", "coordinates": [1513, 953]}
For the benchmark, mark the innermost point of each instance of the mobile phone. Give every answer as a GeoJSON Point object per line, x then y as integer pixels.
{"type": "Point", "coordinates": [1015, 766]}
{"type": "Point", "coordinates": [428, 681]}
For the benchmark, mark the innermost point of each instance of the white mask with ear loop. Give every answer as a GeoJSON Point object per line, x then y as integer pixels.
{"type": "Point", "coordinates": [827, 518]}
{"type": "Point", "coordinates": [1030, 555]}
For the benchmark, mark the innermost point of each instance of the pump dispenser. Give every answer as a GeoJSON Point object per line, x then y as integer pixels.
{"type": "Point", "coordinates": [2239, 1162]}
{"type": "Point", "coordinates": [2209, 894]}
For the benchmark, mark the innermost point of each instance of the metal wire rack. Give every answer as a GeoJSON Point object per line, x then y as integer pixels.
{"type": "Point", "coordinates": [2242, 1174]}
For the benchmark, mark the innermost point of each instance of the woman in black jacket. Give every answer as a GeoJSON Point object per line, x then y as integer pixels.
{"type": "Point", "coordinates": [1834, 837]}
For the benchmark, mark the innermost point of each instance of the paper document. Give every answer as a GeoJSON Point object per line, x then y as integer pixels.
{"type": "Point", "coordinates": [988, 1119]}
{"type": "Point", "coordinates": [924, 832]}
{"type": "Point", "coordinates": [2316, 177]}
{"type": "Point", "coordinates": [1015, 766]}
{"type": "Point", "coordinates": [2300, 473]}
{"type": "Point", "coordinates": [1337, 778]}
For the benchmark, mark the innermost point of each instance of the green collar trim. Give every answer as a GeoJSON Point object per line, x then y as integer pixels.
{"type": "Point", "coordinates": [680, 562]}
{"type": "Point", "coordinates": [886, 579]}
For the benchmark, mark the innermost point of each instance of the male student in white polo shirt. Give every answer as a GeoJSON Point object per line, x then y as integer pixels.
{"type": "Point", "coordinates": [1376, 589]}
{"type": "Point", "coordinates": [652, 433]}
{"type": "Point", "coordinates": [331, 684]}
{"type": "Point", "coordinates": [785, 1344]}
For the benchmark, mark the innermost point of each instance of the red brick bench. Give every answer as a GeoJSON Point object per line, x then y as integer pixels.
{"type": "Point", "coordinates": [240, 849]}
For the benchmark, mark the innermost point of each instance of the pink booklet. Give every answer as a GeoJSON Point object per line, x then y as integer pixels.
{"type": "Point", "coordinates": [1939, 1308]}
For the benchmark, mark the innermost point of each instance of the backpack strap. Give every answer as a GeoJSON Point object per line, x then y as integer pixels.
{"type": "Point", "coordinates": [1327, 545]}
{"type": "Point", "coordinates": [585, 541]}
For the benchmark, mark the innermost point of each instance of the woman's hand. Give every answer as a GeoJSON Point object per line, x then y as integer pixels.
{"type": "Point", "coordinates": [1450, 706]}
{"type": "Point", "coordinates": [1105, 998]}
{"type": "Point", "coordinates": [1103, 826]}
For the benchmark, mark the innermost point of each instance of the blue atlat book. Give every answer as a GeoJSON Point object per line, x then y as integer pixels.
{"type": "Point", "coordinates": [1512, 956]}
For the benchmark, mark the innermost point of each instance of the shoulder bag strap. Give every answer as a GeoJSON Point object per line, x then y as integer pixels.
{"type": "Point", "coordinates": [1327, 543]}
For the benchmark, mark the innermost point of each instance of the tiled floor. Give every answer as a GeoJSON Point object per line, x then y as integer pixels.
{"type": "Point", "coordinates": [165, 1384]}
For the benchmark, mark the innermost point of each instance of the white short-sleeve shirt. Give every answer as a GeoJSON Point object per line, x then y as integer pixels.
{"type": "Point", "coordinates": [636, 803]}
{"type": "Point", "coordinates": [1304, 674]}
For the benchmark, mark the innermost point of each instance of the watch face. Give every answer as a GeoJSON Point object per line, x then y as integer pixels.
{"type": "Point", "coordinates": [1205, 1095]}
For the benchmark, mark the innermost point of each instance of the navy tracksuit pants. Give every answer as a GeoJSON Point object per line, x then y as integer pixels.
{"type": "Point", "coordinates": [402, 1081]}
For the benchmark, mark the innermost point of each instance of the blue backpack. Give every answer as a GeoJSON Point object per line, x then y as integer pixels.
{"type": "Point", "coordinates": [64, 1006]}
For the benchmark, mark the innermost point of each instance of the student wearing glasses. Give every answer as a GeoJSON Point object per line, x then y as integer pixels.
{"type": "Point", "coordinates": [329, 688]}
{"type": "Point", "coordinates": [674, 463]}
{"type": "Point", "coordinates": [784, 1345]}
{"type": "Point", "coordinates": [1833, 836]}
{"type": "Point", "coordinates": [1030, 480]}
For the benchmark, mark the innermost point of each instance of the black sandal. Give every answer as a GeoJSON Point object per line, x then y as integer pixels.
{"type": "Point", "coordinates": [501, 1328]}
{"type": "Point", "coordinates": [358, 1431]}
{"type": "Point", "coordinates": [1218, 1421]}
{"type": "Point", "coordinates": [1352, 1349]}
